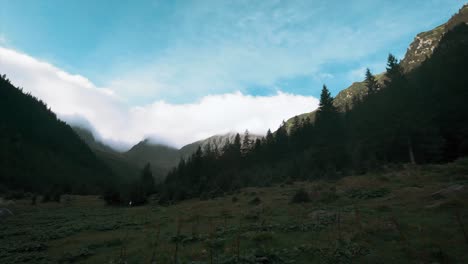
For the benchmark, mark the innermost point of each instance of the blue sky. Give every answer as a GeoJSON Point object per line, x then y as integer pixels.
{"type": "Point", "coordinates": [180, 52]}
{"type": "Point", "coordinates": [198, 40]}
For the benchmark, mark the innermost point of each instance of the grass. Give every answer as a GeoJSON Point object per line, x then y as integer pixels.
{"type": "Point", "coordinates": [387, 217]}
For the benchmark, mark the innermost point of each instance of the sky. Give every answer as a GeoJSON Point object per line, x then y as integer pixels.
{"type": "Point", "coordinates": [181, 71]}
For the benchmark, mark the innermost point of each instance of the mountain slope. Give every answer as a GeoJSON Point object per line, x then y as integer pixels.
{"type": "Point", "coordinates": [214, 142]}
{"type": "Point", "coordinates": [39, 151]}
{"type": "Point", "coordinates": [116, 161]}
{"type": "Point", "coordinates": [419, 117]}
{"type": "Point", "coordinates": [425, 43]}
{"type": "Point", "coordinates": [419, 50]}
{"type": "Point", "coordinates": [162, 158]}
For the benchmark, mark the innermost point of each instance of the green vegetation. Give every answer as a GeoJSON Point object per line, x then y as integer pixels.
{"type": "Point", "coordinates": [418, 117]}
{"type": "Point", "coordinates": [39, 152]}
{"type": "Point", "coordinates": [380, 180]}
{"type": "Point", "coordinates": [392, 216]}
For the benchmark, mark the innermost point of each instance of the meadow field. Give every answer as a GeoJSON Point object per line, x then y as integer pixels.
{"type": "Point", "coordinates": [413, 214]}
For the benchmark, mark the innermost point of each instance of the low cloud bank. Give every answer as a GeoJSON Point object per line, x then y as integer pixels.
{"type": "Point", "coordinates": [78, 101]}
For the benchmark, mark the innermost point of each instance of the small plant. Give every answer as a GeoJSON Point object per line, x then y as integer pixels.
{"type": "Point", "coordinates": [367, 194]}
{"type": "Point", "coordinates": [263, 237]}
{"type": "Point", "coordinates": [14, 195]}
{"type": "Point", "coordinates": [235, 199]}
{"type": "Point", "coordinates": [112, 197]}
{"type": "Point", "coordinates": [255, 201]}
{"type": "Point", "coordinates": [301, 196]}
{"type": "Point", "coordinates": [328, 196]}
{"type": "Point", "coordinates": [33, 199]}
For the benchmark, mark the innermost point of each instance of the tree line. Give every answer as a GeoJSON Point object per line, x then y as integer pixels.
{"type": "Point", "coordinates": [417, 117]}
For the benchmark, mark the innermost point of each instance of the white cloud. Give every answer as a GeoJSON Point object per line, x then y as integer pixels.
{"type": "Point", "coordinates": [72, 96]}
{"type": "Point", "coordinates": [260, 43]}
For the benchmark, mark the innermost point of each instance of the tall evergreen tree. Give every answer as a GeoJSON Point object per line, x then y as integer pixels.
{"type": "Point", "coordinates": [246, 143]}
{"type": "Point", "coordinates": [269, 138]}
{"type": "Point", "coordinates": [371, 83]}
{"type": "Point", "coordinates": [147, 179]}
{"type": "Point", "coordinates": [326, 108]}
{"type": "Point", "coordinates": [394, 70]}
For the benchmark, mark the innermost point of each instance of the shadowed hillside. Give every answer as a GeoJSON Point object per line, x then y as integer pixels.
{"type": "Point", "coordinates": [38, 151]}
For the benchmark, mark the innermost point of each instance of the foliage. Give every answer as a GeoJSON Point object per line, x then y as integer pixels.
{"type": "Point", "coordinates": [415, 117]}
{"type": "Point", "coordinates": [38, 151]}
{"type": "Point", "coordinates": [301, 196]}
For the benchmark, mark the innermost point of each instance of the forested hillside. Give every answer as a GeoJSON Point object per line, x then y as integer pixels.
{"type": "Point", "coordinates": [419, 117]}
{"type": "Point", "coordinates": [116, 161]}
{"type": "Point", "coordinates": [39, 152]}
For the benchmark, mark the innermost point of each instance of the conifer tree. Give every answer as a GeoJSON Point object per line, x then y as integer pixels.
{"type": "Point", "coordinates": [237, 143]}
{"type": "Point", "coordinates": [246, 143]}
{"type": "Point", "coordinates": [269, 137]}
{"type": "Point", "coordinates": [326, 108]}
{"type": "Point", "coordinates": [147, 179]}
{"type": "Point", "coordinates": [394, 70]}
{"type": "Point", "coordinates": [371, 83]}
{"type": "Point", "coordinates": [296, 125]}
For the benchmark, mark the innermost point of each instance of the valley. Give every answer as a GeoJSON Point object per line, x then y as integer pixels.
{"type": "Point", "coordinates": [401, 214]}
{"type": "Point", "coordinates": [374, 173]}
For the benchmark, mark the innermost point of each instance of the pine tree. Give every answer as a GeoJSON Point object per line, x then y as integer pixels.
{"type": "Point", "coordinates": [296, 125]}
{"type": "Point", "coordinates": [269, 137]}
{"type": "Point", "coordinates": [281, 139]}
{"type": "Point", "coordinates": [147, 179]}
{"type": "Point", "coordinates": [371, 83]}
{"type": "Point", "coordinates": [326, 108]}
{"type": "Point", "coordinates": [246, 142]}
{"type": "Point", "coordinates": [394, 70]}
{"type": "Point", "coordinates": [237, 143]}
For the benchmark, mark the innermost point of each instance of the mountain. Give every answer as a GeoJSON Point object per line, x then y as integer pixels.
{"type": "Point", "coordinates": [38, 151]}
{"type": "Point", "coordinates": [214, 142]}
{"type": "Point", "coordinates": [420, 117]}
{"type": "Point", "coordinates": [116, 161]}
{"type": "Point", "coordinates": [162, 158]}
{"type": "Point", "coordinates": [419, 50]}
{"type": "Point", "coordinates": [127, 165]}
{"type": "Point", "coordinates": [425, 43]}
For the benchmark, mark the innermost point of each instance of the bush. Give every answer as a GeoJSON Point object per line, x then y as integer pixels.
{"type": "Point", "coordinates": [15, 195]}
{"type": "Point", "coordinates": [33, 199]}
{"type": "Point", "coordinates": [112, 197]}
{"type": "Point", "coordinates": [45, 198]}
{"type": "Point", "coordinates": [137, 195]}
{"type": "Point", "coordinates": [54, 195]}
{"type": "Point", "coordinates": [367, 194]}
{"type": "Point", "coordinates": [301, 196]}
{"type": "Point", "coordinates": [255, 201]}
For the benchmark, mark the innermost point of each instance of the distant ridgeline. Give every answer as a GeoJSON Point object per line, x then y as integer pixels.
{"type": "Point", "coordinates": [419, 116]}
{"type": "Point", "coordinates": [39, 152]}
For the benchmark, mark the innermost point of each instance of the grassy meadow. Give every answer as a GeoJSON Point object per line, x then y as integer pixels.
{"type": "Point", "coordinates": [394, 216]}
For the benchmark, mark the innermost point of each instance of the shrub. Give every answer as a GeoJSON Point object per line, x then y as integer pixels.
{"type": "Point", "coordinates": [112, 197]}
{"type": "Point", "coordinates": [255, 201]}
{"type": "Point", "coordinates": [262, 237]}
{"type": "Point", "coordinates": [367, 194]}
{"type": "Point", "coordinates": [14, 195]}
{"type": "Point", "coordinates": [45, 197]}
{"type": "Point", "coordinates": [137, 195]}
{"type": "Point", "coordinates": [301, 196]}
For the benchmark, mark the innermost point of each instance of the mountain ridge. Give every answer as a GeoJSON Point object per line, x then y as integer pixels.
{"type": "Point", "coordinates": [38, 151]}
{"type": "Point", "coordinates": [421, 48]}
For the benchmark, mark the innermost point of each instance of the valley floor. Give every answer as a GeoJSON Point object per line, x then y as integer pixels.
{"type": "Point", "coordinates": [401, 215]}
